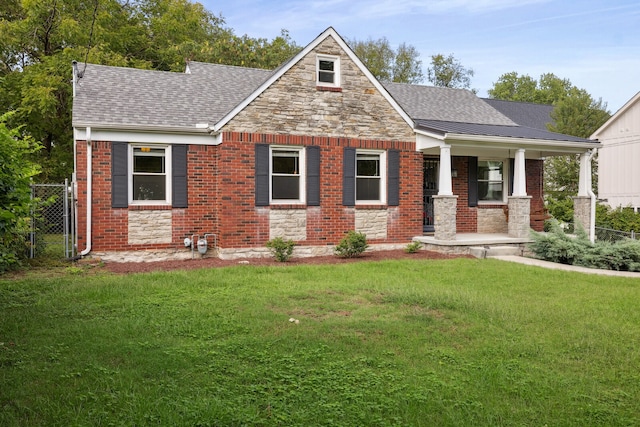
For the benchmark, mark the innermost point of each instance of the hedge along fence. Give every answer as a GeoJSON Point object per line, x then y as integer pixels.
{"type": "Point", "coordinates": [576, 249]}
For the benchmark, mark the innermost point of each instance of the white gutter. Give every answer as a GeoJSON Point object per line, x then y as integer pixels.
{"type": "Point", "coordinates": [89, 190]}
{"type": "Point", "coordinates": [592, 219]}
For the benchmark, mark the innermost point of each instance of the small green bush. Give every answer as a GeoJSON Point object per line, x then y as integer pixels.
{"type": "Point", "coordinates": [281, 249]}
{"type": "Point", "coordinates": [352, 245]}
{"type": "Point", "coordinates": [413, 247]}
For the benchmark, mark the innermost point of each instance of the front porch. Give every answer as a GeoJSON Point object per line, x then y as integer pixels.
{"type": "Point", "coordinates": [479, 245]}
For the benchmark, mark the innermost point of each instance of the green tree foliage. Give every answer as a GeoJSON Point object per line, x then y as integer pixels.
{"type": "Point", "coordinates": [386, 64]}
{"type": "Point", "coordinates": [575, 113]}
{"type": "Point", "coordinates": [447, 71]}
{"type": "Point", "coordinates": [39, 39]}
{"type": "Point", "coordinates": [16, 173]}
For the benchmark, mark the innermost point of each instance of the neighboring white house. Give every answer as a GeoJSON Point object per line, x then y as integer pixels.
{"type": "Point", "coordinates": [619, 157]}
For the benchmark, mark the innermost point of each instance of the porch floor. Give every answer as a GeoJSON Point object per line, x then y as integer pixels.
{"type": "Point", "coordinates": [474, 239]}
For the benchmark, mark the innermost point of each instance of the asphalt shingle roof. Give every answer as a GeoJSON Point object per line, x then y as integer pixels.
{"type": "Point", "coordinates": [128, 97]}
{"type": "Point", "coordinates": [133, 97]}
{"type": "Point", "coordinates": [524, 113]}
{"type": "Point", "coordinates": [443, 127]}
{"type": "Point", "coordinates": [445, 104]}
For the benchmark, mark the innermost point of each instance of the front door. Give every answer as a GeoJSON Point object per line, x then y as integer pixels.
{"type": "Point", "coordinates": [430, 170]}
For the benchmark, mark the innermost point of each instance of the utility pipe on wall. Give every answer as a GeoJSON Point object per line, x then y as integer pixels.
{"type": "Point", "coordinates": [89, 191]}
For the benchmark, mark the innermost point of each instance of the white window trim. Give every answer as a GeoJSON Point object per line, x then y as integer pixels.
{"type": "Point", "coordinates": [336, 70]}
{"type": "Point", "coordinates": [505, 182]}
{"type": "Point", "coordinates": [302, 163]}
{"type": "Point", "coordinates": [168, 176]}
{"type": "Point", "coordinates": [383, 178]}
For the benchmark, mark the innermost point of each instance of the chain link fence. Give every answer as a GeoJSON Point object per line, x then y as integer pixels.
{"type": "Point", "coordinates": [52, 222]}
{"type": "Point", "coordinates": [603, 234]}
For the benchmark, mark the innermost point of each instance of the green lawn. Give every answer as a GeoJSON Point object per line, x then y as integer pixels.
{"type": "Point", "coordinates": [418, 343]}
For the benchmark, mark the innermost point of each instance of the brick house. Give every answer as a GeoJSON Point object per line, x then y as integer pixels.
{"type": "Point", "coordinates": [308, 151]}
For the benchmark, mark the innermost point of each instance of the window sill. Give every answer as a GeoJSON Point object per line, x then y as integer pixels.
{"type": "Point", "coordinates": [371, 206]}
{"type": "Point", "coordinates": [150, 207]}
{"type": "Point", "coordinates": [328, 89]}
{"type": "Point", "coordinates": [287, 206]}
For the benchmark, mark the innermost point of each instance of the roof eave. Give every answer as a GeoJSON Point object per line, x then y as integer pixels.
{"type": "Point", "coordinates": [501, 141]}
{"type": "Point", "coordinates": [204, 128]}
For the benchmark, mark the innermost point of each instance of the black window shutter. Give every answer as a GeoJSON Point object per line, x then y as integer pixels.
{"type": "Point", "coordinates": [119, 175]}
{"type": "Point", "coordinates": [512, 165]}
{"type": "Point", "coordinates": [262, 174]}
{"type": "Point", "coordinates": [179, 176]}
{"type": "Point", "coordinates": [313, 176]}
{"type": "Point", "coordinates": [473, 181]}
{"type": "Point", "coordinates": [393, 178]}
{"type": "Point", "coordinates": [349, 177]}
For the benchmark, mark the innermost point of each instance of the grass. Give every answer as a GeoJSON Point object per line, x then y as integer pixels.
{"type": "Point", "coordinates": [416, 343]}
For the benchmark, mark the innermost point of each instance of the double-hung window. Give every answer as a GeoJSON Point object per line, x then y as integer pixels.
{"type": "Point", "coordinates": [328, 70]}
{"type": "Point", "coordinates": [150, 179]}
{"type": "Point", "coordinates": [491, 181]}
{"type": "Point", "coordinates": [370, 177]}
{"type": "Point", "coordinates": [287, 175]}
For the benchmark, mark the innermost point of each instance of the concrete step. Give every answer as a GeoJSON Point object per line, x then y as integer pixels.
{"type": "Point", "coordinates": [494, 251]}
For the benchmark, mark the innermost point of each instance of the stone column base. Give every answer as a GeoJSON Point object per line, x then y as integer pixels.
{"type": "Point", "coordinates": [582, 212]}
{"type": "Point", "coordinates": [444, 212]}
{"type": "Point", "coordinates": [519, 216]}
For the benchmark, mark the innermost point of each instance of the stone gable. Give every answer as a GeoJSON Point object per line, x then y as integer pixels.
{"type": "Point", "coordinates": [294, 105]}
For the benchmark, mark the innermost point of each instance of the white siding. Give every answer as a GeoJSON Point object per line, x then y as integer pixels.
{"type": "Point", "coordinates": [619, 159]}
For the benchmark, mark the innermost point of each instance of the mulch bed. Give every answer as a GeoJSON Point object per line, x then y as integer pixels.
{"type": "Point", "coordinates": [138, 267]}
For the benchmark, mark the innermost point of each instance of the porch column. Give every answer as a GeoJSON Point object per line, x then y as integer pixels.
{"type": "Point", "coordinates": [584, 203]}
{"type": "Point", "coordinates": [445, 204]}
{"type": "Point", "coordinates": [519, 203]}
{"type": "Point", "coordinates": [444, 184]}
{"type": "Point", "coordinates": [519, 174]}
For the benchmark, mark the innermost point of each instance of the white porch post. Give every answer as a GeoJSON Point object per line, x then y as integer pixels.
{"type": "Point", "coordinates": [519, 174]}
{"type": "Point", "coordinates": [445, 203]}
{"type": "Point", "coordinates": [444, 183]}
{"type": "Point", "coordinates": [584, 205]}
{"type": "Point", "coordinates": [519, 203]}
{"type": "Point", "coordinates": [584, 180]}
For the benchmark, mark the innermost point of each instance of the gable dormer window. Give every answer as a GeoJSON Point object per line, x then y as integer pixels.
{"type": "Point", "coordinates": [328, 71]}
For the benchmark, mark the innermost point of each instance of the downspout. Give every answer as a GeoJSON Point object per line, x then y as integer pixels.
{"type": "Point", "coordinates": [89, 190]}
{"type": "Point", "coordinates": [592, 219]}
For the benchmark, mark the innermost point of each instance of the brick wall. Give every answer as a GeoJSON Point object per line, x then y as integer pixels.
{"type": "Point", "coordinates": [244, 225]}
{"type": "Point", "coordinates": [221, 195]}
{"type": "Point", "coordinates": [467, 218]}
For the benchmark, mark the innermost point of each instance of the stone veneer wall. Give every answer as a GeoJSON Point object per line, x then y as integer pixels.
{"type": "Point", "coordinates": [492, 220]}
{"type": "Point", "coordinates": [290, 224]}
{"type": "Point", "coordinates": [150, 227]}
{"type": "Point", "coordinates": [294, 105]}
{"type": "Point", "coordinates": [373, 223]}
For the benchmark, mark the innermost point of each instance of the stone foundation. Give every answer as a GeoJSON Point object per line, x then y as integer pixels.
{"type": "Point", "coordinates": [492, 221]}
{"type": "Point", "coordinates": [373, 223]}
{"type": "Point", "coordinates": [519, 216]}
{"type": "Point", "coordinates": [148, 227]}
{"type": "Point", "coordinates": [582, 212]}
{"type": "Point", "coordinates": [290, 224]}
{"type": "Point", "coordinates": [444, 212]}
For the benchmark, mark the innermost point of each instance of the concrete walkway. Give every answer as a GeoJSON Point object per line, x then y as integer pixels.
{"type": "Point", "coordinates": [556, 266]}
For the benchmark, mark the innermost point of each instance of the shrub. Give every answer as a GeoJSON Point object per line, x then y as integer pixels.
{"type": "Point", "coordinates": [556, 246]}
{"type": "Point", "coordinates": [281, 249]}
{"type": "Point", "coordinates": [352, 245]}
{"type": "Point", "coordinates": [413, 247]}
{"type": "Point", "coordinates": [16, 171]}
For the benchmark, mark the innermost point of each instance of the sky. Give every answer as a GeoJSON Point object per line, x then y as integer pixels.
{"type": "Point", "coordinates": [593, 43]}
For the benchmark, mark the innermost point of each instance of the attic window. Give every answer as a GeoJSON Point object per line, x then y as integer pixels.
{"type": "Point", "coordinates": [328, 71]}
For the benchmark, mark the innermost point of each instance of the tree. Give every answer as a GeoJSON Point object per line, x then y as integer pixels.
{"type": "Point", "coordinates": [386, 64]}
{"type": "Point", "coordinates": [575, 113]}
{"type": "Point", "coordinates": [16, 172]}
{"type": "Point", "coordinates": [39, 40]}
{"type": "Point", "coordinates": [447, 71]}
